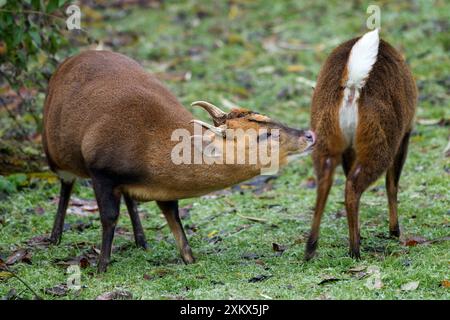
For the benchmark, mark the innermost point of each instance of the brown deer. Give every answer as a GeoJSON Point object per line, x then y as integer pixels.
{"type": "Point", "coordinates": [107, 119]}
{"type": "Point", "coordinates": [362, 112]}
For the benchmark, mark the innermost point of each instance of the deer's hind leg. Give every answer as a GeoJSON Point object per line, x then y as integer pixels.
{"type": "Point", "coordinates": [348, 159]}
{"type": "Point", "coordinates": [139, 235]}
{"type": "Point", "coordinates": [373, 156]}
{"type": "Point", "coordinates": [392, 180]}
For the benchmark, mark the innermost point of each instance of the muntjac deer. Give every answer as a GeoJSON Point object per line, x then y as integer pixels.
{"type": "Point", "coordinates": [107, 119]}
{"type": "Point", "coordinates": [362, 112]}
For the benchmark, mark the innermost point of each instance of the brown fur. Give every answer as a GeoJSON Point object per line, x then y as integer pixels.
{"type": "Point", "coordinates": [104, 112]}
{"type": "Point", "coordinates": [107, 119]}
{"type": "Point", "coordinates": [386, 110]}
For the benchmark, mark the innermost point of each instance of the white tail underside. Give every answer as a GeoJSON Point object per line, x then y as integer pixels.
{"type": "Point", "coordinates": [361, 60]}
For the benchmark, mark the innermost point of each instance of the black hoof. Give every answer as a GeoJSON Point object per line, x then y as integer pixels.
{"type": "Point", "coordinates": [309, 255]}
{"type": "Point", "coordinates": [55, 240]}
{"type": "Point", "coordinates": [102, 267]}
{"type": "Point", "coordinates": [187, 256]}
{"type": "Point", "coordinates": [188, 260]}
{"type": "Point", "coordinates": [310, 250]}
{"type": "Point", "coordinates": [395, 233]}
{"type": "Point", "coordinates": [355, 254]}
{"type": "Point", "coordinates": [142, 243]}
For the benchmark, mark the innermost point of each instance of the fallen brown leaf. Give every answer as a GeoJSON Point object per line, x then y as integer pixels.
{"type": "Point", "coordinates": [413, 241]}
{"type": "Point", "coordinates": [86, 259]}
{"type": "Point", "coordinates": [328, 279]}
{"type": "Point", "coordinates": [59, 290]}
{"type": "Point", "coordinates": [79, 202]}
{"type": "Point", "coordinates": [80, 207]}
{"type": "Point", "coordinates": [20, 255]}
{"type": "Point", "coordinates": [437, 240]}
{"type": "Point", "coordinates": [358, 272]}
{"type": "Point", "coordinates": [40, 242]}
{"type": "Point", "coordinates": [118, 294]}
{"type": "Point", "coordinates": [278, 247]}
{"type": "Point", "coordinates": [257, 186]}
{"type": "Point", "coordinates": [259, 278]}
{"type": "Point", "coordinates": [5, 275]}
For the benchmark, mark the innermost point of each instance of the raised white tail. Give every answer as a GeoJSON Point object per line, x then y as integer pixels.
{"type": "Point", "coordinates": [361, 60]}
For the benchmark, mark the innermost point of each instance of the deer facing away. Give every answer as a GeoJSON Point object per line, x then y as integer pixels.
{"type": "Point", "coordinates": [362, 112]}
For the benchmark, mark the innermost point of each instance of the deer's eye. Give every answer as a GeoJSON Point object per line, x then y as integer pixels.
{"type": "Point", "coordinates": [264, 136]}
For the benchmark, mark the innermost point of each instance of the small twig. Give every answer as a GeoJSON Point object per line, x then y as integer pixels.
{"type": "Point", "coordinates": [262, 220]}
{"type": "Point", "coordinates": [33, 12]}
{"type": "Point", "coordinates": [229, 202]}
{"type": "Point", "coordinates": [437, 240]}
{"type": "Point", "coordinates": [235, 232]}
{"type": "Point", "coordinates": [14, 275]}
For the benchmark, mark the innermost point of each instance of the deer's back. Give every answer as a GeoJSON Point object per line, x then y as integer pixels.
{"type": "Point", "coordinates": [103, 110]}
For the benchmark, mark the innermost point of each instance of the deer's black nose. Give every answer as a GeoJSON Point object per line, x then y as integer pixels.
{"type": "Point", "coordinates": [310, 136]}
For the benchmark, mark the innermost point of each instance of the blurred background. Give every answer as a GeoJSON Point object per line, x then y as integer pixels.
{"type": "Point", "coordinates": [264, 55]}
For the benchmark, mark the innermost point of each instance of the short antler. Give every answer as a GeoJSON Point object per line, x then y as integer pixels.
{"type": "Point", "coordinates": [216, 130]}
{"type": "Point", "coordinates": [217, 115]}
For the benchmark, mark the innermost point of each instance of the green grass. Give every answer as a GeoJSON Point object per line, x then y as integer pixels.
{"type": "Point", "coordinates": [227, 56]}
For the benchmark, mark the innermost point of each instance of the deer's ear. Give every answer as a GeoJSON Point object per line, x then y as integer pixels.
{"type": "Point", "coordinates": [256, 117]}
{"type": "Point", "coordinates": [205, 145]}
